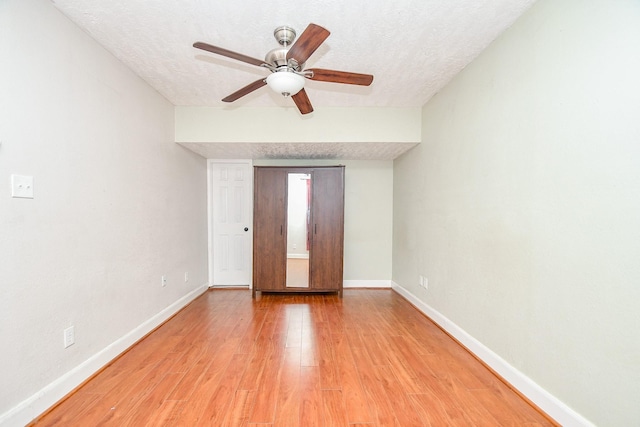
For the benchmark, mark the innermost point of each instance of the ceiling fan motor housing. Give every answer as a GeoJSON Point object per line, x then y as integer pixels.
{"type": "Point", "coordinates": [278, 59]}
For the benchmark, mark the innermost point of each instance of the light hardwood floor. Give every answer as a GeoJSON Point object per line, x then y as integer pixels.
{"type": "Point", "coordinates": [369, 359]}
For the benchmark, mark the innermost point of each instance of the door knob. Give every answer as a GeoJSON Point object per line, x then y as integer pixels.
{"type": "Point", "coordinates": [246, 229]}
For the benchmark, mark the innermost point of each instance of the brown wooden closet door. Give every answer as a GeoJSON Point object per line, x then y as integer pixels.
{"type": "Point", "coordinates": [327, 228]}
{"type": "Point", "coordinates": [269, 232]}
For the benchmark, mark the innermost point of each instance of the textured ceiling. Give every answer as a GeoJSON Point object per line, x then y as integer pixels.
{"type": "Point", "coordinates": [412, 47]}
{"type": "Point", "coordinates": [313, 150]}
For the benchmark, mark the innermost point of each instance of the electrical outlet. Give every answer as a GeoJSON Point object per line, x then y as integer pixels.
{"type": "Point", "coordinates": [186, 276]}
{"type": "Point", "coordinates": [22, 186]}
{"type": "Point", "coordinates": [164, 281]}
{"type": "Point", "coordinates": [69, 336]}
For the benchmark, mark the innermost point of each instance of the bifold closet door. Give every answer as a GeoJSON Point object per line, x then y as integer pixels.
{"type": "Point", "coordinates": [327, 232]}
{"type": "Point", "coordinates": [269, 229]}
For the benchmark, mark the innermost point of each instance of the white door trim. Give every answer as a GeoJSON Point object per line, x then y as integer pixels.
{"type": "Point", "coordinates": [210, 198]}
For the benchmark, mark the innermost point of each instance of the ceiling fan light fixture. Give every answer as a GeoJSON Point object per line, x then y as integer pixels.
{"type": "Point", "coordinates": [285, 82]}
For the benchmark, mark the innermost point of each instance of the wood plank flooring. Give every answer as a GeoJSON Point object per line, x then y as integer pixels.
{"type": "Point", "coordinates": [369, 359]}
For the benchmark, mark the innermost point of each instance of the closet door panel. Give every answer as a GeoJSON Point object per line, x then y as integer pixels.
{"type": "Point", "coordinates": [269, 238]}
{"type": "Point", "coordinates": [328, 228]}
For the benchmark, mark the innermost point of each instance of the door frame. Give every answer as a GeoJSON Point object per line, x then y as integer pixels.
{"type": "Point", "coordinates": [210, 199]}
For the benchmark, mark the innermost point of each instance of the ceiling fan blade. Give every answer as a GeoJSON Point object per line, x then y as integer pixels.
{"type": "Point", "coordinates": [310, 39]}
{"type": "Point", "coordinates": [245, 90]}
{"type": "Point", "coordinates": [302, 102]}
{"type": "Point", "coordinates": [228, 53]}
{"type": "Point", "coordinates": [340, 77]}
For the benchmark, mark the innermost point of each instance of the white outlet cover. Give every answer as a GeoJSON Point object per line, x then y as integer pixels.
{"type": "Point", "coordinates": [22, 186]}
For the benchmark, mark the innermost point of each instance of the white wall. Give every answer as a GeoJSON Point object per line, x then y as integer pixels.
{"type": "Point", "coordinates": [117, 204]}
{"type": "Point", "coordinates": [368, 218]}
{"type": "Point", "coordinates": [522, 204]}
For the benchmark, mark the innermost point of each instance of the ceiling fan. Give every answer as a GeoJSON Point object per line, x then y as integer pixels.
{"type": "Point", "coordinates": [286, 64]}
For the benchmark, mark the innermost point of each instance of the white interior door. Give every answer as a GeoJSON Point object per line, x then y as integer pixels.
{"type": "Point", "coordinates": [231, 221]}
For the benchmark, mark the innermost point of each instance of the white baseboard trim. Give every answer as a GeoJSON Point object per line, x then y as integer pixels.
{"type": "Point", "coordinates": [366, 284]}
{"type": "Point", "coordinates": [298, 256]}
{"type": "Point", "coordinates": [551, 405]}
{"type": "Point", "coordinates": [26, 411]}
{"type": "Point", "coordinates": [245, 286]}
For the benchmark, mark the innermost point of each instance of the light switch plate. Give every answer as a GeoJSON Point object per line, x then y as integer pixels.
{"type": "Point", "coordinates": [22, 186]}
{"type": "Point", "coordinates": [69, 337]}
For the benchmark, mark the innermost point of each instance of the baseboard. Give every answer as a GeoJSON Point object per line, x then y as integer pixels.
{"type": "Point", "coordinates": [366, 284]}
{"type": "Point", "coordinates": [544, 400]}
{"type": "Point", "coordinates": [231, 287]}
{"type": "Point", "coordinates": [298, 256]}
{"type": "Point", "coordinates": [26, 411]}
